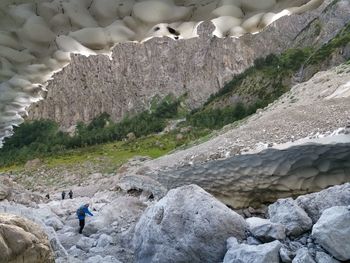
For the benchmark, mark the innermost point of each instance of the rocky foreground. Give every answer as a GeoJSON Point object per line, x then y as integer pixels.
{"type": "Point", "coordinates": [132, 222]}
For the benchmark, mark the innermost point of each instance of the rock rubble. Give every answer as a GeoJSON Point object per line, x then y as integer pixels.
{"type": "Point", "coordinates": [187, 224]}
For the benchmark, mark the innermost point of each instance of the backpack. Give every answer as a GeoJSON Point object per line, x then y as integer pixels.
{"type": "Point", "coordinates": [80, 212]}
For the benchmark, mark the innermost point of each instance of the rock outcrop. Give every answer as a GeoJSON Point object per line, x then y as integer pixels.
{"type": "Point", "coordinates": [187, 225]}
{"type": "Point", "coordinates": [23, 241]}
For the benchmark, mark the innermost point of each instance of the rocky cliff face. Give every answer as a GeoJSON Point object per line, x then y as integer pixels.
{"type": "Point", "coordinates": [199, 67]}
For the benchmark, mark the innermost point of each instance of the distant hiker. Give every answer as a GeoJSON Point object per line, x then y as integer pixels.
{"type": "Point", "coordinates": [47, 196]}
{"type": "Point", "coordinates": [63, 195]}
{"type": "Point", "coordinates": [84, 209]}
{"type": "Point", "coordinates": [70, 194]}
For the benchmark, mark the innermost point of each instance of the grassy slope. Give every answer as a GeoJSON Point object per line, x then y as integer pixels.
{"type": "Point", "coordinates": [109, 157]}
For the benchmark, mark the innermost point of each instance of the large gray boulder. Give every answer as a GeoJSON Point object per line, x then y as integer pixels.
{"type": "Point", "coordinates": [187, 225]}
{"type": "Point", "coordinates": [314, 204]}
{"type": "Point", "coordinates": [268, 252]}
{"type": "Point", "coordinates": [265, 230]}
{"type": "Point", "coordinates": [303, 256]}
{"type": "Point", "coordinates": [288, 213]}
{"type": "Point", "coordinates": [85, 243]}
{"type": "Point", "coordinates": [332, 232]}
{"type": "Point", "coordinates": [119, 213]}
{"type": "Point", "coordinates": [322, 257]}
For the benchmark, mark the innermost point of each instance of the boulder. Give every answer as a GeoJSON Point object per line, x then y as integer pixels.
{"type": "Point", "coordinates": [54, 222]}
{"type": "Point", "coordinates": [76, 252]}
{"type": "Point", "coordinates": [32, 164]}
{"type": "Point", "coordinates": [303, 256]}
{"type": "Point", "coordinates": [322, 257]}
{"type": "Point", "coordinates": [131, 136]}
{"type": "Point", "coordinates": [21, 238]}
{"type": "Point", "coordinates": [143, 183]}
{"type": "Point", "coordinates": [332, 232]}
{"type": "Point", "coordinates": [14, 192]}
{"type": "Point", "coordinates": [187, 225]}
{"type": "Point", "coordinates": [253, 241]}
{"type": "Point", "coordinates": [100, 259]}
{"type": "Point", "coordinates": [85, 243]}
{"type": "Point", "coordinates": [314, 204]}
{"type": "Point", "coordinates": [268, 252]}
{"type": "Point", "coordinates": [6, 186]}
{"type": "Point", "coordinates": [289, 214]}
{"type": "Point", "coordinates": [286, 255]}
{"type": "Point", "coordinates": [117, 214]}
{"type": "Point", "coordinates": [4, 192]}
{"type": "Point", "coordinates": [265, 230]}
{"type": "Point", "coordinates": [104, 240]}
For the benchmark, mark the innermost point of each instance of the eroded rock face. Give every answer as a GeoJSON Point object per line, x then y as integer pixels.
{"type": "Point", "coordinates": [332, 231]}
{"type": "Point", "coordinates": [22, 239]}
{"type": "Point", "coordinates": [188, 224]}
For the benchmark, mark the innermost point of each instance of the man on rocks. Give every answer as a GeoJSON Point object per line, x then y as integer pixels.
{"type": "Point", "coordinates": [63, 194]}
{"type": "Point", "coordinates": [70, 194]}
{"type": "Point", "coordinates": [81, 213]}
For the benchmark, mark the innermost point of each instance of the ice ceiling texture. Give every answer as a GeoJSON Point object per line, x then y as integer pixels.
{"type": "Point", "coordinates": [37, 37]}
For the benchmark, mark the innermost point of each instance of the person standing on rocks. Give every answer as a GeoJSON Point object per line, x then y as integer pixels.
{"type": "Point", "coordinates": [63, 194]}
{"type": "Point", "coordinates": [81, 213]}
{"type": "Point", "coordinates": [70, 194]}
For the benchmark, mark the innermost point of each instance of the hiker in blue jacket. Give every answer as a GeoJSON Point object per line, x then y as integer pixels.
{"type": "Point", "coordinates": [84, 209]}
